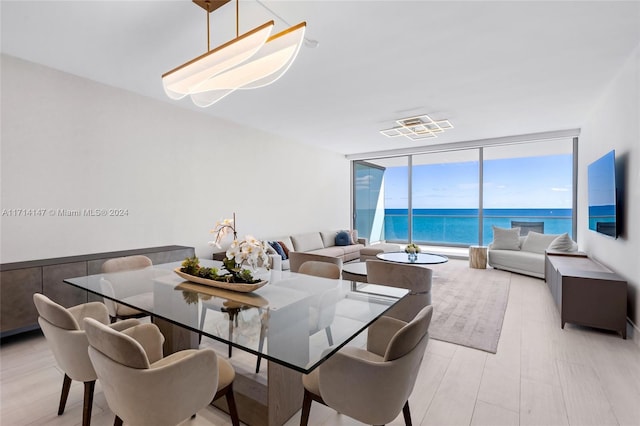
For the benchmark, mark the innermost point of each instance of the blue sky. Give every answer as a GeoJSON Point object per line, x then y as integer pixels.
{"type": "Point", "coordinates": [528, 182]}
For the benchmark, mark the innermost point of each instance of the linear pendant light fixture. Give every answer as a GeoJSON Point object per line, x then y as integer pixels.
{"type": "Point", "coordinates": [249, 61]}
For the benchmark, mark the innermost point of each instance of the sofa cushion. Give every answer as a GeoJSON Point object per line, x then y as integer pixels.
{"type": "Point", "coordinates": [278, 248]}
{"type": "Point", "coordinates": [353, 248]}
{"type": "Point", "coordinates": [506, 238]}
{"type": "Point", "coordinates": [285, 249]}
{"type": "Point", "coordinates": [330, 251]}
{"type": "Point", "coordinates": [563, 243]}
{"type": "Point", "coordinates": [354, 236]}
{"type": "Point", "coordinates": [523, 262]}
{"type": "Point", "coordinates": [307, 242]}
{"type": "Point", "coordinates": [536, 242]}
{"type": "Point", "coordinates": [328, 238]}
{"type": "Point", "coordinates": [285, 243]}
{"type": "Point", "coordinates": [343, 238]}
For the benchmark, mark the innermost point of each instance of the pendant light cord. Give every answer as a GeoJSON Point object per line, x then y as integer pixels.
{"type": "Point", "coordinates": [208, 30]}
{"type": "Point", "coordinates": [307, 41]}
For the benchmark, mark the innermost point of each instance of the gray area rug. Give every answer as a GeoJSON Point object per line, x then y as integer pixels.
{"type": "Point", "coordinates": [468, 304]}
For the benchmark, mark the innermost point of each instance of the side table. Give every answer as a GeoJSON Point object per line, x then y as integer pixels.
{"type": "Point", "coordinates": [478, 257]}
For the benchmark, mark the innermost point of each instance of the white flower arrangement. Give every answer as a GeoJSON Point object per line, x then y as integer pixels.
{"type": "Point", "coordinates": [249, 251]}
{"type": "Point", "coordinates": [222, 228]}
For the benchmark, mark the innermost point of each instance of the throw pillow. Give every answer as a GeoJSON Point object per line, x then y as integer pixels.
{"type": "Point", "coordinates": [354, 236]}
{"type": "Point", "coordinates": [506, 238]}
{"type": "Point", "coordinates": [343, 238]}
{"type": "Point", "coordinates": [536, 242]}
{"type": "Point", "coordinates": [278, 248]}
{"type": "Point", "coordinates": [285, 249]}
{"type": "Point", "coordinates": [563, 243]}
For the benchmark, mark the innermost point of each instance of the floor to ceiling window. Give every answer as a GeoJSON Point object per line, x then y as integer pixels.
{"type": "Point", "coordinates": [381, 199]}
{"type": "Point", "coordinates": [455, 197]}
{"type": "Point", "coordinates": [528, 183]}
{"type": "Point", "coordinates": [368, 215]}
{"type": "Point", "coordinates": [444, 198]}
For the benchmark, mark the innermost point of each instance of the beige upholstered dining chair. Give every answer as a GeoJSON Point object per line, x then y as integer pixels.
{"type": "Point", "coordinates": [144, 388]}
{"type": "Point", "coordinates": [322, 312]}
{"type": "Point", "coordinates": [416, 278]}
{"type": "Point", "coordinates": [320, 269]}
{"type": "Point", "coordinates": [297, 258]}
{"type": "Point", "coordinates": [322, 309]}
{"type": "Point", "coordinates": [372, 385]}
{"type": "Point", "coordinates": [115, 286]}
{"type": "Point", "coordinates": [63, 330]}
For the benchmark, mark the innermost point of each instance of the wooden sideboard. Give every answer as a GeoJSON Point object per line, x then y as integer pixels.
{"type": "Point", "coordinates": [19, 280]}
{"type": "Point", "coordinates": [586, 292]}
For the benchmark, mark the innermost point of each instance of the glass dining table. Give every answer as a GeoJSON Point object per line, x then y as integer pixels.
{"type": "Point", "coordinates": [295, 322]}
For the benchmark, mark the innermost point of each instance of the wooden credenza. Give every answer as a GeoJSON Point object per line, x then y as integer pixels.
{"type": "Point", "coordinates": [19, 280]}
{"type": "Point", "coordinates": [586, 292]}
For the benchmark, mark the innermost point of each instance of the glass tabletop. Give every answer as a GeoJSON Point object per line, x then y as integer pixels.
{"type": "Point", "coordinates": [420, 258]}
{"type": "Point", "coordinates": [284, 321]}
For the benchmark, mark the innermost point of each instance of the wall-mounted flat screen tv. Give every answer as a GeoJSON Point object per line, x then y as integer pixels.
{"type": "Point", "coordinates": [601, 185]}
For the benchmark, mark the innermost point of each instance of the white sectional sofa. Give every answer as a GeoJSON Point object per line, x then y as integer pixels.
{"type": "Point", "coordinates": [321, 242]}
{"type": "Point", "coordinates": [525, 255]}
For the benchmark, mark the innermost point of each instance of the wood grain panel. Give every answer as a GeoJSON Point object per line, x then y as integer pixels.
{"type": "Point", "coordinates": [57, 290]}
{"type": "Point", "coordinates": [16, 292]}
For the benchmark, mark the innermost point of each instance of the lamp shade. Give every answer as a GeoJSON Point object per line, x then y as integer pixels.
{"type": "Point", "coordinates": [266, 66]}
{"type": "Point", "coordinates": [186, 78]}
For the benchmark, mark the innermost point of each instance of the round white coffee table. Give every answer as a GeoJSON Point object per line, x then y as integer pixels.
{"type": "Point", "coordinates": [421, 258]}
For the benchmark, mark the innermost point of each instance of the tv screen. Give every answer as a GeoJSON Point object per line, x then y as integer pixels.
{"type": "Point", "coordinates": [601, 184]}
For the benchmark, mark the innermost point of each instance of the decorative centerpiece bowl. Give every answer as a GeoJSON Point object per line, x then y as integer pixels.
{"type": "Point", "coordinates": [235, 278]}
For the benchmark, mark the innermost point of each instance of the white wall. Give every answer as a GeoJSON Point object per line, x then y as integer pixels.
{"type": "Point", "coordinates": [70, 143]}
{"type": "Point", "coordinates": [614, 124]}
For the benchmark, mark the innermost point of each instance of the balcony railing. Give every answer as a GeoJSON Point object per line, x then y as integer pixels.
{"type": "Point", "coordinates": [459, 227]}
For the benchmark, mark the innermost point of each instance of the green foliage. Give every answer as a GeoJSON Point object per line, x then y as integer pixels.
{"type": "Point", "coordinates": [234, 274]}
{"type": "Point", "coordinates": [229, 264]}
{"type": "Point", "coordinates": [245, 274]}
{"type": "Point", "coordinates": [191, 265]}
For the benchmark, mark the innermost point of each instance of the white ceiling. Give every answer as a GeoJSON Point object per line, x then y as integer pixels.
{"type": "Point", "coordinates": [492, 68]}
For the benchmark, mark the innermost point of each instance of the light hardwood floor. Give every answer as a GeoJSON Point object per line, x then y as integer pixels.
{"type": "Point", "coordinates": [541, 375]}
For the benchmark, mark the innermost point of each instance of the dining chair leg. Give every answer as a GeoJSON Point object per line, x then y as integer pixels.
{"type": "Point", "coordinates": [306, 408]}
{"type": "Point", "coordinates": [233, 410]}
{"type": "Point", "coordinates": [117, 421]}
{"type": "Point", "coordinates": [329, 336]}
{"type": "Point", "coordinates": [202, 318]}
{"type": "Point", "coordinates": [88, 402]}
{"type": "Point", "coordinates": [66, 385]}
{"type": "Point", "coordinates": [260, 346]}
{"type": "Point", "coordinates": [230, 333]}
{"type": "Point", "coordinates": [227, 392]}
{"type": "Point", "coordinates": [406, 413]}
{"type": "Point", "coordinates": [263, 332]}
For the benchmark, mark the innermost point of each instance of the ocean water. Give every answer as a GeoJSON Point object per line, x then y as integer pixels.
{"type": "Point", "coordinates": [460, 226]}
